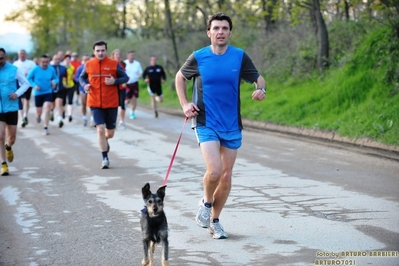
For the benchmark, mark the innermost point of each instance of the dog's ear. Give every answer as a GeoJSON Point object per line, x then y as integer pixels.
{"type": "Point", "coordinates": [146, 191]}
{"type": "Point", "coordinates": [161, 192]}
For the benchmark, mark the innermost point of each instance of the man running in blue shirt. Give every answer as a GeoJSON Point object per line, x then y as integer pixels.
{"type": "Point", "coordinates": [215, 108]}
{"type": "Point", "coordinates": [43, 80]}
{"type": "Point", "coordinates": [10, 75]}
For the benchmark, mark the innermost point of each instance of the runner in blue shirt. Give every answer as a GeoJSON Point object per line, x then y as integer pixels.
{"type": "Point", "coordinates": [10, 77]}
{"type": "Point", "coordinates": [43, 80]}
{"type": "Point", "coordinates": [217, 71]}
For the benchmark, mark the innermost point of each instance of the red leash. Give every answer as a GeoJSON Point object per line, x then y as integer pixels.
{"type": "Point", "coordinates": [174, 153]}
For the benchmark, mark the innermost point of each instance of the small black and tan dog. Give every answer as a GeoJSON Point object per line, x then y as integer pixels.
{"type": "Point", "coordinates": [154, 225]}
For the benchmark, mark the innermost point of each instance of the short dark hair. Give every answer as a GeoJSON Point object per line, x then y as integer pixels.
{"type": "Point", "coordinates": [2, 50]}
{"type": "Point", "coordinates": [99, 43]}
{"type": "Point", "coordinates": [44, 56]}
{"type": "Point", "coordinates": [131, 52]}
{"type": "Point", "coordinates": [219, 16]}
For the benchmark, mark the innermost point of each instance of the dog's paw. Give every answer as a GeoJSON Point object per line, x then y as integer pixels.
{"type": "Point", "coordinates": [144, 262]}
{"type": "Point", "coordinates": [165, 263]}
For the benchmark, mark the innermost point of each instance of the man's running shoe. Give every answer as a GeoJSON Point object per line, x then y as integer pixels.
{"type": "Point", "coordinates": [60, 124]}
{"type": "Point", "coordinates": [122, 124]}
{"type": "Point", "coordinates": [105, 164]}
{"type": "Point", "coordinates": [132, 115]}
{"type": "Point", "coordinates": [156, 114]}
{"type": "Point", "coordinates": [70, 118]}
{"type": "Point", "coordinates": [24, 121]}
{"type": "Point", "coordinates": [38, 119]}
{"type": "Point", "coordinates": [203, 215]}
{"type": "Point", "coordinates": [51, 117]}
{"type": "Point", "coordinates": [10, 155]}
{"type": "Point", "coordinates": [217, 231]}
{"type": "Point", "coordinates": [46, 132]}
{"type": "Point", "coordinates": [4, 169]}
{"type": "Point", "coordinates": [84, 122]}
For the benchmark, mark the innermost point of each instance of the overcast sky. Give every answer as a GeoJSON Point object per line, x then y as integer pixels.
{"type": "Point", "coordinates": [13, 36]}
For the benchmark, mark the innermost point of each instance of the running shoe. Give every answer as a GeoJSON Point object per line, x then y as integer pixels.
{"type": "Point", "coordinates": [38, 119]}
{"type": "Point", "coordinates": [105, 164]}
{"type": "Point", "coordinates": [51, 117]}
{"type": "Point", "coordinates": [70, 118]}
{"type": "Point", "coordinates": [122, 124]}
{"type": "Point", "coordinates": [46, 132]}
{"type": "Point", "coordinates": [203, 215]}
{"type": "Point", "coordinates": [132, 115]}
{"type": "Point", "coordinates": [156, 114]}
{"type": "Point", "coordinates": [60, 124]}
{"type": "Point", "coordinates": [24, 121]}
{"type": "Point", "coordinates": [10, 155]}
{"type": "Point", "coordinates": [4, 169]}
{"type": "Point", "coordinates": [217, 231]}
{"type": "Point", "coordinates": [84, 122]}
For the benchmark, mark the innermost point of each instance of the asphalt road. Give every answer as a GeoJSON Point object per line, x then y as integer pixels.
{"type": "Point", "coordinates": [294, 201]}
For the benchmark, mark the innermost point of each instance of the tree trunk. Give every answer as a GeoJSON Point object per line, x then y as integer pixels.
{"type": "Point", "coordinates": [322, 38]}
{"type": "Point", "coordinates": [172, 34]}
{"type": "Point", "coordinates": [123, 33]}
{"type": "Point", "coordinates": [268, 10]}
{"type": "Point", "coordinates": [346, 10]}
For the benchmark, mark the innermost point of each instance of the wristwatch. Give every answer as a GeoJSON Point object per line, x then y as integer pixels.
{"type": "Point", "coordinates": [262, 89]}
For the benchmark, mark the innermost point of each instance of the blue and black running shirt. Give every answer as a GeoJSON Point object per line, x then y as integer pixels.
{"type": "Point", "coordinates": [216, 86]}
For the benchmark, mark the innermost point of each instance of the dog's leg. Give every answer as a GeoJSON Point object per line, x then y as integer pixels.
{"type": "Point", "coordinates": [151, 250]}
{"type": "Point", "coordinates": [165, 252]}
{"type": "Point", "coordinates": [145, 261]}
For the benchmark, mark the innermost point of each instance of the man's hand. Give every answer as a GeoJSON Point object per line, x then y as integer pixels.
{"type": "Point", "coordinates": [110, 80]}
{"type": "Point", "coordinates": [37, 88]}
{"type": "Point", "coordinates": [13, 96]}
{"type": "Point", "coordinates": [258, 95]}
{"type": "Point", "coordinates": [87, 88]}
{"type": "Point", "coordinates": [53, 85]}
{"type": "Point", "coordinates": [190, 110]}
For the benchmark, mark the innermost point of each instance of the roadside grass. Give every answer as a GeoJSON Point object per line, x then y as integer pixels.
{"type": "Point", "coordinates": [356, 106]}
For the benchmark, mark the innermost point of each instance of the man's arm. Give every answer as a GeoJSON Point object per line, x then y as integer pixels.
{"type": "Point", "coordinates": [31, 77]}
{"type": "Point", "coordinates": [24, 83]}
{"type": "Point", "coordinates": [190, 110]}
{"type": "Point", "coordinates": [260, 92]}
{"type": "Point", "coordinates": [83, 77]}
{"type": "Point", "coordinates": [122, 77]}
{"type": "Point", "coordinates": [260, 83]}
{"type": "Point", "coordinates": [163, 74]}
{"type": "Point", "coordinates": [55, 78]}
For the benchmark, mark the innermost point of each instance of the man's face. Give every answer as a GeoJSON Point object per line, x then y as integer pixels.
{"type": "Point", "coordinates": [100, 52]}
{"type": "Point", "coordinates": [130, 57]}
{"type": "Point", "coordinates": [22, 55]}
{"type": "Point", "coordinates": [2, 59]}
{"type": "Point", "coordinates": [44, 62]}
{"type": "Point", "coordinates": [85, 58]}
{"type": "Point", "coordinates": [56, 60]}
{"type": "Point", "coordinates": [219, 32]}
{"type": "Point", "coordinates": [61, 54]}
{"type": "Point", "coordinates": [153, 61]}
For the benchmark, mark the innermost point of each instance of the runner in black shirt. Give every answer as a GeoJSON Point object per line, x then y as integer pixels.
{"type": "Point", "coordinates": [154, 76]}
